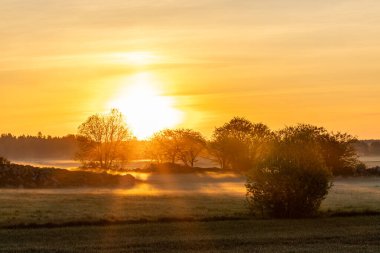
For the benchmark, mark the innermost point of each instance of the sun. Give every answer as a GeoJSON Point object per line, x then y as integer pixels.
{"type": "Point", "coordinates": [146, 111]}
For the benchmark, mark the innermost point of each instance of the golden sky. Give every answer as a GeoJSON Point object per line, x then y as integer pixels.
{"type": "Point", "coordinates": [276, 62]}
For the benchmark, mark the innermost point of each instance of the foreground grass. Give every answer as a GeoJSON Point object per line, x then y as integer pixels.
{"type": "Point", "coordinates": [180, 200]}
{"type": "Point", "coordinates": [328, 235]}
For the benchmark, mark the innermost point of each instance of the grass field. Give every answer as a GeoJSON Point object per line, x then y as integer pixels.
{"type": "Point", "coordinates": [181, 197]}
{"type": "Point", "coordinates": [328, 235]}
{"type": "Point", "coordinates": [177, 213]}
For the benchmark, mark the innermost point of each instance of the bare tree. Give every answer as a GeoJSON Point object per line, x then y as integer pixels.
{"type": "Point", "coordinates": [103, 141]}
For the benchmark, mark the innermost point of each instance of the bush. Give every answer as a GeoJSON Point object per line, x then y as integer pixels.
{"type": "Point", "coordinates": [291, 182]}
{"type": "Point", "coordinates": [24, 176]}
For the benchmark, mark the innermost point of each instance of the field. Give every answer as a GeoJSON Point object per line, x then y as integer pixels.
{"type": "Point", "coordinates": [353, 234]}
{"type": "Point", "coordinates": [176, 197]}
{"type": "Point", "coordinates": [171, 213]}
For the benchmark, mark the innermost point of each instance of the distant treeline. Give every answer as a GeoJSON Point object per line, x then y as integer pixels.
{"type": "Point", "coordinates": [31, 147]}
{"type": "Point", "coordinates": [37, 147]}
{"type": "Point", "coordinates": [66, 147]}
{"type": "Point", "coordinates": [368, 147]}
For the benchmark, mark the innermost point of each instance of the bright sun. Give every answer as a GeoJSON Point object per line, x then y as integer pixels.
{"type": "Point", "coordinates": [146, 111]}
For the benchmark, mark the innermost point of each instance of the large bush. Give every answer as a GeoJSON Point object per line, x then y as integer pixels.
{"type": "Point", "coordinates": [291, 181]}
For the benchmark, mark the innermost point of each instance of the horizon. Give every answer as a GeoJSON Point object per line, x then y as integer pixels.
{"type": "Point", "coordinates": [194, 65]}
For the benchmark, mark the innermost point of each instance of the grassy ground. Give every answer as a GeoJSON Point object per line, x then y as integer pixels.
{"type": "Point", "coordinates": [354, 234]}
{"type": "Point", "coordinates": [61, 208]}
{"type": "Point", "coordinates": [354, 194]}
{"type": "Point", "coordinates": [180, 199]}
{"type": "Point", "coordinates": [149, 202]}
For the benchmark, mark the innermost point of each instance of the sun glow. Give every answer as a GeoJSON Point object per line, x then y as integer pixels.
{"type": "Point", "coordinates": [135, 58]}
{"type": "Point", "coordinates": [146, 111]}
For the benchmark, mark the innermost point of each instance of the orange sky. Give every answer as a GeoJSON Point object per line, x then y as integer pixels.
{"type": "Point", "coordinates": [276, 62]}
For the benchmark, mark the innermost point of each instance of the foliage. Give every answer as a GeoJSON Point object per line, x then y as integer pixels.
{"type": "Point", "coordinates": [239, 143]}
{"type": "Point", "coordinates": [103, 141]}
{"type": "Point", "coordinates": [337, 149]}
{"type": "Point", "coordinates": [164, 146]}
{"type": "Point", "coordinates": [183, 145]}
{"type": "Point", "coordinates": [191, 145]}
{"type": "Point", "coordinates": [292, 180]}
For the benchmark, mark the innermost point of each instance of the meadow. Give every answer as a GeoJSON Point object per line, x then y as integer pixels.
{"type": "Point", "coordinates": [198, 212]}
{"type": "Point", "coordinates": [165, 197]}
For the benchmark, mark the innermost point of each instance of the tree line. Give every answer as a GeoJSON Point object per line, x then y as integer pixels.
{"type": "Point", "coordinates": [38, 147]}
{"type": "Point", "coordinates": [368, 147]}
{"type": "Point", "coordinates": [105, 142]}
{"type": "Point", "coordinates": [289, 171]}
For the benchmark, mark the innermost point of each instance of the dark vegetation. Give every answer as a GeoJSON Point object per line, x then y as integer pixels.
{"type": "Point", "coordinates": [374, 171]}
{"type": "Point", "coordinates": [292, 179]}
{"type": "Point", "coordinates": [20, 176]}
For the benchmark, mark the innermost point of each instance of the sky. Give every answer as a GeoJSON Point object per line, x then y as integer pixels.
{"type": "Point", "coordinates": [200, 63]}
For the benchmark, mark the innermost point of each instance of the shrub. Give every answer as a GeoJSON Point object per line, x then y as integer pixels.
{"type": "Point", "coordinates": [291, 182]}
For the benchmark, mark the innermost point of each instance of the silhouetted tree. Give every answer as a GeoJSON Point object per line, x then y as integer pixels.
{"type": "Point", "coordinates": [292, 180]}
{"type": "Point", "coordinates": [172, 145]}
{"type": "Point", "coordinates": [164, 146]}
{"type": "Point", "coordinates": [103, 141]}
{"type": "Point", "coordinates": [239, 143]}
{"type": "Point", "coordinates": [191, 145]}
{"type": "Point", "coordinates": [337, 149]}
